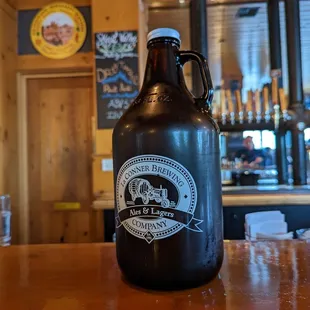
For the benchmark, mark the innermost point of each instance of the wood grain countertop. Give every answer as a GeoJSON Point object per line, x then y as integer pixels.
{"type": "Point", "coordinates": [260, 276]}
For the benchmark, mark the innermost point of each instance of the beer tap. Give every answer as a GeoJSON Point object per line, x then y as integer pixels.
{"type": "Point", "coordinates": [215, 110]}
{"type": "Point", "coordinates": [275, 102]}
{"type": "Point", "coordinates": [231, 108]}
{"type": "Point", "coordinates": [239, 105]}
{"type": "Point", "coordinates": [249, 106]}
{"type": "Point", "coordinates": [266, 104]}
{"type": "Point", "coordinates": [258, 106]}
{"type": "Point", "coordinates": [284, 105]}
{"type": "Point", "coordinates": [217, 105]}
{"type": "Point", "coordinates": [223, 107]}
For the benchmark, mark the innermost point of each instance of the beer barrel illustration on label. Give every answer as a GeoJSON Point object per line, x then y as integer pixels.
{"type": "Point", "coordinates": [142, 188]}
{"type": "Point", "coordinates": [156, 197]}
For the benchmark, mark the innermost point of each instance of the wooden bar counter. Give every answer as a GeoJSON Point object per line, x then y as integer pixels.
{"type": "Point", "coordinates": [262, 275]}
{"type": "Point", "coordinates": [292, 201]}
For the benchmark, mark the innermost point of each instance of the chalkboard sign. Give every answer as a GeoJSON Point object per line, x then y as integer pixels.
{"type": "Point", "coordinates": [116, 74]}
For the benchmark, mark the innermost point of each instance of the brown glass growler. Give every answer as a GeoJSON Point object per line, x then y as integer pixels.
{"type": "Point", "coordinates": [167, 176]}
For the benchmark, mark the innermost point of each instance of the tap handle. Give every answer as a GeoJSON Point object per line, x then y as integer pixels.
{"type": "Point", "coordinates": [266, 99]}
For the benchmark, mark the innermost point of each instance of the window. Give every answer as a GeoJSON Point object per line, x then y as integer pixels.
{"type": "Point", "coordinates": [261, 139]}
{"type": "Point", "coordinates": [307, 134]}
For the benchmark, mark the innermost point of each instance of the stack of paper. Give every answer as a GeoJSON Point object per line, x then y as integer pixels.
{"type": "Point", "coordinates": [267, 225]}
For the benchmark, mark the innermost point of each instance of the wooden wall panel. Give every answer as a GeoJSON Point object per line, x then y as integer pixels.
{"type": "Point", "coordinates": [115, 15]}
{"type": "Point", "coordinates": [9, 7]}
{"type": "Point", "coordinates": [34, 4]}
{"type": "Point", "coordinates": [112, 16]}
{"type": "Point", "coordinates": [103, 143]}
{"type": "Point", "coordinates": [142, 41]}
{"type": "Point", "coordinates": [8, 110]}
{"type": "Point", "coordinates": [81, 62]}
{"type": "Point", "coordinates": [102, 181]}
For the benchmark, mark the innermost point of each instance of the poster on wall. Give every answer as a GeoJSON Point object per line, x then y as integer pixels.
{"type": "Point", "coordinates": [117, 77]}
{"type": "Point", "coordinates": [58, 30]}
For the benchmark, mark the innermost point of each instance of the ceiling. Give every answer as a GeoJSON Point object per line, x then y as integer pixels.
{"type": "Point", "coordinates": [237, 46]}
{"type": "Point", "coordinates": [185, 3]}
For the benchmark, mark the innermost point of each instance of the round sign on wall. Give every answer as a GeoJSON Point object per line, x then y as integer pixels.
{"type": "Point", "coordinates": [58, 30]}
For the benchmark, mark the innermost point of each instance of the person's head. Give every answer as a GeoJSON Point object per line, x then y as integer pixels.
{"type": "Point", "coordinates": [268, 150]}
{"type": "Point", "coordinates": [248, 143]}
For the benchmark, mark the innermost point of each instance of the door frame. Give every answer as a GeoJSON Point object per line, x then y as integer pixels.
{"type": "Point", "coordinates": [22, 147]}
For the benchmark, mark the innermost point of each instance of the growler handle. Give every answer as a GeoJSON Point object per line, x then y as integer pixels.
{"type": "Point", "coordinates": [207, 96]}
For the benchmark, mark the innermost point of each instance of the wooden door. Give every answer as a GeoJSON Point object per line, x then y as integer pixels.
{"type": "Point", "coordinates": [59, 158]}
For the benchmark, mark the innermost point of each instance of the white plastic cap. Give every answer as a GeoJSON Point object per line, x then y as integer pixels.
{"type": "Point", "coordinates": [163, 32]}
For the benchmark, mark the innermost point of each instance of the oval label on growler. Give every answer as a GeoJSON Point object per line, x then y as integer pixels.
{"type": "Point", "coordinates": [156, 197]}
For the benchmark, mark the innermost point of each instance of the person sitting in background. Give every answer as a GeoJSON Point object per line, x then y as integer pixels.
{"type": "Point", "coordinates": [268, 157]}
{"type": "Point", "coordinates": [249, 155]}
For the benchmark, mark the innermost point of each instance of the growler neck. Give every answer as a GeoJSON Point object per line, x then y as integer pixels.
{"type": "Point", "coordinates": [162, 64]}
